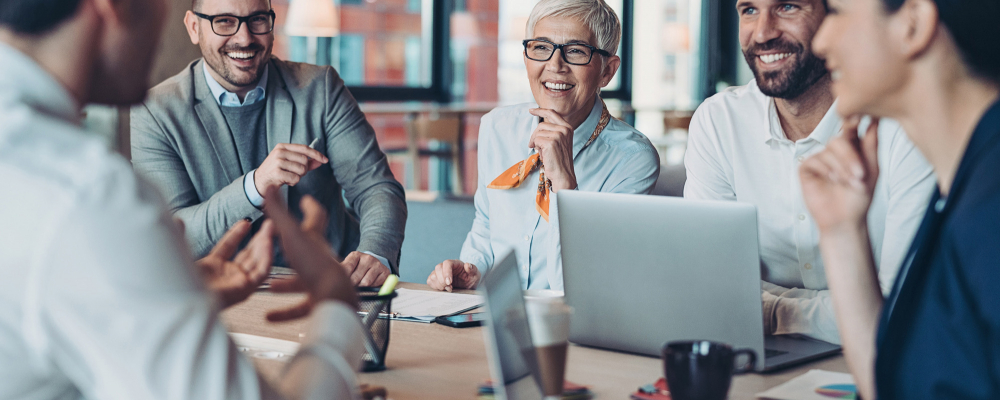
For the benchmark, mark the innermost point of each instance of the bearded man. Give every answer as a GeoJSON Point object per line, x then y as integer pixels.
{"type": "Point", "coordinates": [746, 144]}
{"type": "Point", "coordinates": [238, 122]}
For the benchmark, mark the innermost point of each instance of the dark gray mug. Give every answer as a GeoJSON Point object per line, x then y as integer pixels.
{"type": "Point", "coordinates": [702, 370]}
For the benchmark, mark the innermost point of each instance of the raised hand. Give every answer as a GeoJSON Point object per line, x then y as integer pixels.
{"type": "Point", "coordinates": [286, 165]}
{"type": "Point", "coordinates": [454, 274]}
{"type": "Point", "coordinates": [838, 183]}
{"type": "Point", "coordinates": [553, 139]}
{"type": "Point", "coordinates": [319, 273]}
{"type": "Point", "coordinates": [235, 279]}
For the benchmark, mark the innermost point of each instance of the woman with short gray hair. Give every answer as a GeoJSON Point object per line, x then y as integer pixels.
{"type": "Point", "coordinates": [566, 140]}
{"type": "Point", "coordinates": [595, 15]}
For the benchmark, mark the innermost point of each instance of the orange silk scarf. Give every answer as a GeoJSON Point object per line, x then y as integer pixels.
{"type": "Point", "coordinates": [515, 175]}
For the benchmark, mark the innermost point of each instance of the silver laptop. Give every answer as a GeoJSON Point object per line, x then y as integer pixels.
{"type": "Point", "coordinates": [640, 271]}
{"type": "Point", "coordinates": [513, 364]}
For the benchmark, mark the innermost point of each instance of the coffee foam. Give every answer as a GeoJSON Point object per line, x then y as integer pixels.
{"type": "Point", "coordinates": [548, 320]}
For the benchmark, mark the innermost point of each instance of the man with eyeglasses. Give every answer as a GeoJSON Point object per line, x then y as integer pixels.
{"type": "Point", "coordinates": [238, 122]}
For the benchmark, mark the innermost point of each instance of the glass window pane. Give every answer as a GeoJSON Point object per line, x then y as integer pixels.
{"type": "Point", "coordinates": [459, 72]}
{"type": "Point", "coordinates": [474, 51]}
{"type": "Point", "coordinates": [666, 60]}
{"type": "Point", "coordinates": [351, 69]}
{"type": "Point", "coordinates": [380, 43]}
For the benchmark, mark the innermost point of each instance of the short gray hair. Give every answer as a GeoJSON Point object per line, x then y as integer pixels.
{"type": "Point", "coordinates": [596, 14]}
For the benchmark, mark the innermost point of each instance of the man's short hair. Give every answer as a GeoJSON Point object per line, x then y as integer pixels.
{"type": "Point", "coordinates": [33, 17]}
{"type": "Point", "coordinates": [196, 4]}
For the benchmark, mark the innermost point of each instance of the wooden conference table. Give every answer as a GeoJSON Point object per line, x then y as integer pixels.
{"type": "Point", "coordinates": [431, 361]}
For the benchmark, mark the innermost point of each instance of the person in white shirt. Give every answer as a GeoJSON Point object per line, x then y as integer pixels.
{"type": "Point", "coordinates": [564, 141]}
{"type": "Point", "coordinates": [100, 297]}
{"type": "Point", "coordinates": [746, 144]}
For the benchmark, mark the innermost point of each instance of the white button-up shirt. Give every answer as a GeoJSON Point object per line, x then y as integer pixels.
{"type": "Point", "coordinates": [99, 297]}
{"type": "Point", "coordinates": [620, 160]}
{"type": "Point", "coordinates": [738, 151]}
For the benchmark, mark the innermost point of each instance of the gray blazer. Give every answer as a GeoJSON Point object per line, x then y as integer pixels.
{"type": "Point", "coordinates": [181, 142]}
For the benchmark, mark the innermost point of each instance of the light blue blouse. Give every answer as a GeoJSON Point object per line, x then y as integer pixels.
{"type": "Point", "coordinates": [621, 160]}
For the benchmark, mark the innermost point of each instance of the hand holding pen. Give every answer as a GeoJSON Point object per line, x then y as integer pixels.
{"type": "Point", "coordinates": [287, 164]}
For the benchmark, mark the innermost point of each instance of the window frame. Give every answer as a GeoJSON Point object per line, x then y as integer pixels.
{"type": "Point", "coordinates": [624, 91]}
{"type": "Point", "coordinates": [720, 47]}
{"type": "Point", "coordinates": [440, 88]}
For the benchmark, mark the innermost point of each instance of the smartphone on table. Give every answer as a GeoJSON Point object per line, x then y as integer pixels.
{"type": "Point", "coordinates": [462, 320]}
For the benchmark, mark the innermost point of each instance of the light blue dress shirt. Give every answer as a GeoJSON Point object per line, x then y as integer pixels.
{"type": "Point", "coordinates": [621, 160]}
{"type": "Point", "coordinates": [229, 99]}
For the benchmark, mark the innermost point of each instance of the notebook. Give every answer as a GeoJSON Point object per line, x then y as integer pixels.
{"type": "Point", "coordinates": [424, 306]}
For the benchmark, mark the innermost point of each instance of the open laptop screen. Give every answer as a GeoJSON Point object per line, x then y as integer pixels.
{"type": "Point", "coordinates": [512, 356]}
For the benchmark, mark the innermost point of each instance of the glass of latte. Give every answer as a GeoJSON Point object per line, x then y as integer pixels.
{"type": "Point", "coordinates": [548, 320]}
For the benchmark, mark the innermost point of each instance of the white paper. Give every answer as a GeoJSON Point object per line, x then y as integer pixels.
{"type": "Point", "coordinates": [804, 387]}
{"type": "Point", "coordinates": [424, 303]}
{"type": "Point", "coordinates": [265, 347]}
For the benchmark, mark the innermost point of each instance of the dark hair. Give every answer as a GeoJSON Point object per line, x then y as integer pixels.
{"type": "Point", "coordinates": [196, 4]}
{"type": "Point", "coordinates": [975, 26]}
{"type": "Point", "coordinates": [35, 16]}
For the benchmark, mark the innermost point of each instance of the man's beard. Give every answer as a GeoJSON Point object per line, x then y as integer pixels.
{"type": "Point", "coordinates": [791, 82]}
{"type": "Point", "coordinates": [232, 78]}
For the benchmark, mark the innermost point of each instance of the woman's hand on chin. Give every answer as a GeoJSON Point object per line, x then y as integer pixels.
{"type": "Point", "coordinates": [553, 139]}
{"type": "Point", "coordinates": [839, 182]}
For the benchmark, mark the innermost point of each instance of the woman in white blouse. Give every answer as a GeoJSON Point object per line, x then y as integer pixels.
{"type": "Point", "coordinates": [566, 140]}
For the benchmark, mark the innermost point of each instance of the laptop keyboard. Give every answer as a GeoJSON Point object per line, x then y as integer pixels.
{"type": "Point", "coordinates": [768, 353]}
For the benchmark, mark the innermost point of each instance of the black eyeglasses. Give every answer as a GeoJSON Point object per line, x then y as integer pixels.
{"type": "Point", "coordinates": [572, 53]}
{"type": "Point", "coordinates": [227, 25]}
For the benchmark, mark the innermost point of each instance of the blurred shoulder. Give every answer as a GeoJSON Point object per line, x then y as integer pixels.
{"type": "Point", "coordinates": [59, 165]}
